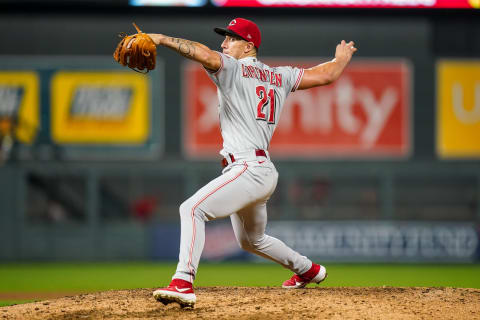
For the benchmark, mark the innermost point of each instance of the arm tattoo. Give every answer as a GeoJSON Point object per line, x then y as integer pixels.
{"type": "Point", "coordinates": [185, 47]}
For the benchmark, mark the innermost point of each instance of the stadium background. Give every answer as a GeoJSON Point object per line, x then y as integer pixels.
{"type": "Point", "coordinates": [84, 186]}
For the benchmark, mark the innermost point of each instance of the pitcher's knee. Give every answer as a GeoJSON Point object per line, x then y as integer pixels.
{"type": "Point", "coordinates": [259, 243]}
{"type": "Point", "coordinates": [189, 208]}
{"type": "Point", "coordinates": [186, 208]}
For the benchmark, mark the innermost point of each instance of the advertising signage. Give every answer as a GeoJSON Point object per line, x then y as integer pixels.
{"type": "Point", "coordinates": [168, 3]}
{"type": "Point", "coordinates": [364, 114]}
{"type": "Point", "coordinates": [458, 109]}
{"type": "Point", "coordinates": [351, 3]}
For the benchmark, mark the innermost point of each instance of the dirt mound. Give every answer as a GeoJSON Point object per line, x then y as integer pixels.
{"type": "Point", "coordinates": [263, 303]}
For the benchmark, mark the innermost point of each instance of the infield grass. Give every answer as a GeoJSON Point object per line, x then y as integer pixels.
{"type": "Point", "coordinates": [34, 278]}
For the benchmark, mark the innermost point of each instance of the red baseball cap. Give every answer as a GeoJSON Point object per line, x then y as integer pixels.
{"type": "Point", "coordinates": [243, 28]}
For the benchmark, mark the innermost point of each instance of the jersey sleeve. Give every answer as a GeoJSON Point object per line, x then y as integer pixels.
{"type": "Point", "coordinates": [293, 77]}
{"type": "Point", "coordinates": [224, 76]}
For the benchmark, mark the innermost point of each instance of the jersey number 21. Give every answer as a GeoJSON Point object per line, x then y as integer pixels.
{"type": "Point", "coordinates": [266, 99]}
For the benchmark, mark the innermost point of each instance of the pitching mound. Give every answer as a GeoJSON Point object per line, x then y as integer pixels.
{"type": "Point", "coordinates": [263, 303]}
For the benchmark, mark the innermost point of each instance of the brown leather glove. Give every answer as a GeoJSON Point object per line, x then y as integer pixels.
{"type": "Point", "coordinates": [137, 51]}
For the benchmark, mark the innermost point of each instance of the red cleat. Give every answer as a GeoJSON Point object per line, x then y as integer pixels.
{"type": "Point", "coordinates": [316, 274]}
{"type": "Point", "coordinates": [179, 291]}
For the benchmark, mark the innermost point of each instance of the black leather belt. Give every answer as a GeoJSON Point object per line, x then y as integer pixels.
{"type": "Point", "coordinates": [258, 153]}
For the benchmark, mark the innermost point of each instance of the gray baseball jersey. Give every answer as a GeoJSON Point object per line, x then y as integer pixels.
{"type": "Point", "coordinates": [251, 97]}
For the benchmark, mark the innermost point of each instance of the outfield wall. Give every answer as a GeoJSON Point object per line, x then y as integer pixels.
{"type": "Point", "coordinates": [96, 168]}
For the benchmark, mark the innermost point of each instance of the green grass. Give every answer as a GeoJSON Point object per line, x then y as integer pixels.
{"type": "Point", "coordinates": [4, 303]}
{"type": "Point", "coordinates": [87, 277]}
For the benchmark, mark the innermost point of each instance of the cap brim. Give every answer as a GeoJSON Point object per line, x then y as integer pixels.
{"type": "Point", "coordinates": [226, 32]}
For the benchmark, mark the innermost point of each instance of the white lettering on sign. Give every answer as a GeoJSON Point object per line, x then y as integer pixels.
{"type": "Point", "coordinates": [377, 112]}
{"type": "Point", "coordinates": [101, 102]}
{"type": "Point", "coordinates": [10, 98]}
{"type": "Point", "coordinates": [345, 98]}
{"type": "Point", "coordinates": [316, 110]}
{"type": "Point", "coordinates": [462, 114]}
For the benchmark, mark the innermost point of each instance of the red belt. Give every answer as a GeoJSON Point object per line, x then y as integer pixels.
{"type": "Point", "coordinates": [258, 153]}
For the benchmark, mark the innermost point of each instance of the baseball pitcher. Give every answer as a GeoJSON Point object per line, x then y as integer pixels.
{"type": "Point", "coordinates": [251, 96]}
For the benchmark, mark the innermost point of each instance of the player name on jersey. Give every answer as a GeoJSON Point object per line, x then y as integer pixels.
{"type": "Point", "coordinates": [262, 75]}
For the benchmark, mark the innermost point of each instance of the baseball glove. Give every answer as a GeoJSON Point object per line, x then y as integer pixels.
{"type": "Point", "coordinates": [137, 51]}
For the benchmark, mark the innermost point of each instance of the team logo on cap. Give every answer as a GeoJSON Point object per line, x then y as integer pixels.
{"type": "Point", "coordinates": [249, 36]}
{"type": "Point", "coordinates": [233, 22]}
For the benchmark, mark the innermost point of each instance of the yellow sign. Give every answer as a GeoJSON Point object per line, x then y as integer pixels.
{"type": "Point", "coordinates": [100, 107]}
{"type": "Point", "coordinates": [458, 109]}
{"type": "Point", "coordinates": [474, 3]}
{"type": "Point", "coordinates": [19, 103]}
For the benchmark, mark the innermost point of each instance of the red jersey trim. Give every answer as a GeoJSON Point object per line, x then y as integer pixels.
{"type": "Point", "coordinates": [299, 79]}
